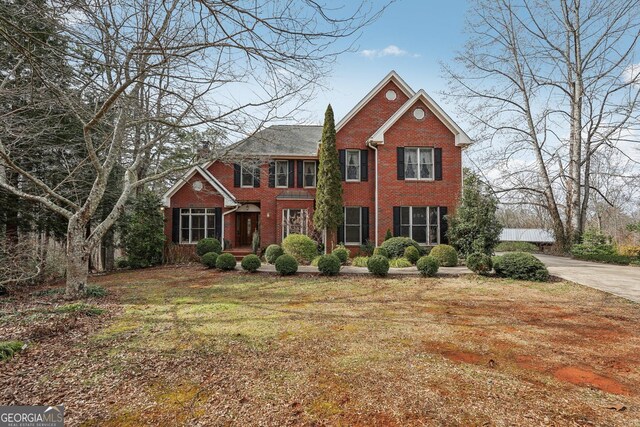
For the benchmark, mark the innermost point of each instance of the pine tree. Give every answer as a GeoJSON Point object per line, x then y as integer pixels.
{"type": "Point", "coordinates": [328, 213]}
{"type": "Point", "coordinates": [474, 227]}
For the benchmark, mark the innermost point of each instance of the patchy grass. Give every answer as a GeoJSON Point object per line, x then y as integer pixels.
{"type": "Point", "coordinates": [79, 308]}
{"type": "Point", "coordinates": [185, 346]}
{"type": "Point", "coordinates": [9, 348]}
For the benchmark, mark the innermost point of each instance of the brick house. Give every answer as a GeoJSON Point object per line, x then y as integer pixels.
{"type": "Point", "coordinates": [401, 165]}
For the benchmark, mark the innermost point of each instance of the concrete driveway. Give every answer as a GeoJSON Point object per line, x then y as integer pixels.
{"type": "Point", "coordinates": [615, 279]}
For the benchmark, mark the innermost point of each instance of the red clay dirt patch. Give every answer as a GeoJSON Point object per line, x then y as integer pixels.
{"type": "Point", "coordinates": [463, 356]}
{"type": "Point", "coordinates": [580, 376]}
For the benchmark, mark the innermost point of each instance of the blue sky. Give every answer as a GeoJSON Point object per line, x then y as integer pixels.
{"type": "Point", "coordinates": [411, 37]}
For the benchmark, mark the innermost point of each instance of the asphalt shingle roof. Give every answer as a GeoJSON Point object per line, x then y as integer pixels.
{"type": "Point", "coordinates": [281, 140]}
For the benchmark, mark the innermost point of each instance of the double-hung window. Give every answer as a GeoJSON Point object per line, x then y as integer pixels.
{"type": "Point", "coordinates": [282, 173]}
{"type": "Point", "coordinates": [418, 163]}
{"type": "Point", "coordinates": [352, 225]}
{"type": "Point", "coordinates": [196, 224]}
{"type": "Point", "coordinates": [353, 165]}
{"type": "Point", "coordinates": [247, 176]}
{"type": "Point", "coordinates": [294, 221]}
{"type": "Point", "coordinates": [420, 224]}
{"type": "Point", "coordinates": [309, 172]}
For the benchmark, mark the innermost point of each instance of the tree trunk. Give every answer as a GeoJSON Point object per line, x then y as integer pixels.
{"type": "Point", "coordinates": [77, 259]}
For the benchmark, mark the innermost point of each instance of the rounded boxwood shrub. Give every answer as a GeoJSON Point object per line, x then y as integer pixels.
{"type": "Point", "coordinates": [378, 265]}
{"type": "Point", "coordinates": [445, 254]}
{"type": "Point", "coordinates": [381, 251]}
{"type": "Point", "coordinates": [207, 245]}
{"type": "Point", "coordinates": [272, 253]}
{"type": "Point", "coordinates": [520, 265]}
{"type": "Point", "coordinates": [342, 253]}
{"type": "Point", "coordinates": [209, 259]}
{"type": "Point", "coordinates": [479, 263]}
{"type": "Point", "coordinates": [122, 262]}
{"type": "Point", "coordinates": [226, 262]}
{"type": "Point", "coordinates": [329, 265]}
{"type": "Point", "coordinates": [395, 246]}
{"type": "Point", "coordinates": [251, 263]}
{"type": "Point", "coordinates": [286, 265]}
{"type": "Point", "coordinates": [428, 266]}
{"type": "Point", "coordinates": [301, 247]}
{"type": "Point", "coordinates": [412, 254]}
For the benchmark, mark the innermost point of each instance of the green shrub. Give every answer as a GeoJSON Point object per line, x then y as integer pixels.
{"type": "Point", "coordinates": [605, 258]}
{"type": "Point", "coordinates": [210, 244]}
{"type": "Point", "coordinates": [360, 261]}
{"type": "Point", "coordinates": [520, 265]}
{"type": "Point", "coordinates": [516, 247]}
{"type": "Point", "coordinates": [251, 263]}
{"type": "Point", "coordinates": [585, 250]}
{"type": "Point", "coordinates": [378, 265]}
{"type": "Point", "coordinates": [272, 253]}
{"type": "Point", "coordinates": [366, 249]}
{"type": "Point", "coordinates": [286, 265]}
{"type": "Point", "coordinates": [122, 262]}
{"type": "Point", "coordinates": [427, 266]}
{"type": "Point", "coordinates": [479, 263]}
{"type": "Point", "coordinates": [399, 263]}
{"type": "Point", "coordinates": [342, 253]}
{"type": "Point", "coordinates": [329, 265]}
{"type": "Point", "coordinates": [381, 251]}
{"type": "Point", "coordinates": [226, 262]}
{"type": "Point", "coordinates": [445, 254]}
{"type": "Point", "coordinates": [301, 247]}
{"type": "Point", "coordinates": [9, 348]}
{"type": "Point", "coordinates": [412, 254]}
{"type": "Point", "coordinates": [314, 262]}
{"type": "Point", "coordinates": [395, 246]}
{"type": "Point", "coordinates": [141, 230]}
{"type": "Point", "coordinates": [209, 259]}
{"type": "Point", "coordinates": [95, 291]}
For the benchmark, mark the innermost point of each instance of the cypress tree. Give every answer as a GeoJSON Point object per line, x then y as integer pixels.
{"type": "Point", "coordinates": [328, 213]}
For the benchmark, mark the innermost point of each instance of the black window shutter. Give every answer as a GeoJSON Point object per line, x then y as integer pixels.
{"type": "Point", "coordinates": [218, 219]}
{"type": "Point", "coordinates": [396, 220]}
{"type": "Point", "coordinates": [256, 176]}
{"type": "Point", "coordinates": [317, 167]}
{"type": "Point", "coordinates": [342, 160]}
{"type": "Point", "coordinates": [400, 163]}
{"type": "Point", "coordinates": [292, 181]}
{"type": "Point", "coordinates": [175, 225]}
{"type": "Point", "coordinates": [341, 233]}
{"type": "Point", "coordinates": [444, 225]}
{"type": "Point", "coordinates": [437, 158]}
{"type": "Point", "coordinates": [236, 175]}
{"type": "Point", "coordinates": [300, 171]}
{"type": "Point", "coordinates": [272, 174]}
{"type": "Point", "coordinates": [364, 165]}
{"type": "Point", "coordinates": [365, 225]}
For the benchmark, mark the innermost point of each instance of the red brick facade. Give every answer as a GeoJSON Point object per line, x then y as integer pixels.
{"type": "Point", "coordinates": [406, 131]}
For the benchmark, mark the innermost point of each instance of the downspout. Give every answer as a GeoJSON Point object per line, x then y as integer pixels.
{"type": "Point", "coordinates": [375, 149]}
{"type": "Point", "coordinates": [223, 223]}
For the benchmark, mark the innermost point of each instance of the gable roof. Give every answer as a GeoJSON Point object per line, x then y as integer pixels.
{"type": "Point", "coordinates": [461, 137]}
{"type": "Point", "coordinates": [229, 199]}
{"type": "Point", "coordinates": [281, 140]}
{"type": "Point", "coordinates": [391, 77]}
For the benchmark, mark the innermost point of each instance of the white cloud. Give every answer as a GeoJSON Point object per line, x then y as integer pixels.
{"type": "Point", "coordinates": [632, 73]}
{"type": "Point", "coordinates": [391, 50]}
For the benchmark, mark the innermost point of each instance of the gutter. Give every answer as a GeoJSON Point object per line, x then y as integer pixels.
{"type": "Point", "coordinates": [375, 149]}
{"type": "Point", "coordinates": [223, 223]}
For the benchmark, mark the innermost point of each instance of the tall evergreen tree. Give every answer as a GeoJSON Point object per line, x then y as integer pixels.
{"type": "Point", "coordinates": [328, 214]}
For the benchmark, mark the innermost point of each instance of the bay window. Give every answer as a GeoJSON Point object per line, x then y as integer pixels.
{"type": "Point", "coordinates": [294, 221]}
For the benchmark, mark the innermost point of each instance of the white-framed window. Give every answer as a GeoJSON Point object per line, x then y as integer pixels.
{"type": "Point", "coordinates": [196, 224]}
{"type": "Point", "coordinates": [294, 221]}
{"type": "Point", "coordinates": [309, 173]}
{"type": "Point", "coordinates": [352, 225]}
{"type": "Point", "coordinates": [282, 173]}
{"type": "Point", "coordinates": [353, 165]}
{"type": "Point", "coordinates": [247, 175]}
{"type": "Point", "coordinates": [418, 163]}
{"type": "Point", "coordinates": [420, 223]}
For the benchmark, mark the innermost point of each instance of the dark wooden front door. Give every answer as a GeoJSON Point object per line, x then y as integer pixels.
{"type": "Point", "coordinates": [246, 224]}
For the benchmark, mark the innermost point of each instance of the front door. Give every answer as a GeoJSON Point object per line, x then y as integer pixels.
{"type": "Point", "coordinates": [246, 224]}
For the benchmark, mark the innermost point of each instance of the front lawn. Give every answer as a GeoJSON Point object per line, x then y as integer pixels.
{"type": "Point", "coordinates": [188, 346]}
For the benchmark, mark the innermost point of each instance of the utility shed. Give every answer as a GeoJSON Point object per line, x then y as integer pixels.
{"type": "Point", "coordinates": [538, 236]}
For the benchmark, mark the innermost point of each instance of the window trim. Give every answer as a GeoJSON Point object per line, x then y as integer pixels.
{"type": "Point", "coordinates": [346, 166]}
{"type": "Point", "coordinates": [285, 221]}
{"type": "Point", "coordinates": [275, 174]}
{"type": "Point", "coordinates": [419, 170]}
{"type": "Point", "coordinates": [190, 214]}
{"type": "Point", "coordinates": [253, 178]}
{"type": "Point", "coordinates": [304, 175]}
{"type": "Point", "coordinates": [428, 225]}
{"type": "Point", "coordinates": [359, 242]}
